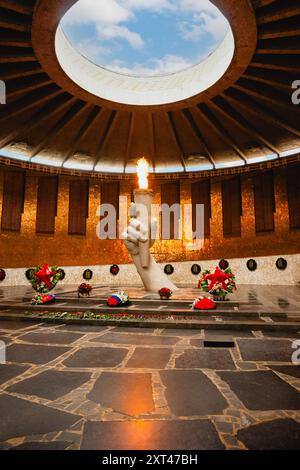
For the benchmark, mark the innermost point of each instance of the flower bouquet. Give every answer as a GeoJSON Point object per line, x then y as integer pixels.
{"type": "Point", "coordinates": [118, 299]}
{"type": "Point", "coordinates": [204, 303]}
{"type": "Point", "coordinates": [165, 293]}
{"type": "Point", "coordinates": [42, 299]}
{"type": "Point", "coordinates": [219, 284]}
{"type": "Point", "coordinates": [84, 290]}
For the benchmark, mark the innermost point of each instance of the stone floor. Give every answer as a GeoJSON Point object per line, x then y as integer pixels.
{"type": "Point", "coordinates": [87, 387]}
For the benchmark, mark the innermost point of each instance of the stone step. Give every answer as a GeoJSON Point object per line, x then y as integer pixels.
{"type": "Point", "coordinates": [212, 323]}
{"type": "Point", "coordinates": [146, 309]}
{"type": "Point", "coordinates": [150, 302]}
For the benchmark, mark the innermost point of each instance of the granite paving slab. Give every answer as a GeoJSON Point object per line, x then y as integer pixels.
{"type": "Point", "coordinates": [96, 357]}
{"type": "Point", "coordinates": [33, 353]}
{"type": "Point", "coordinates": [280, 434]}
{"type": "Point", "coordinates": [181, 332]}
{"type": "Point", "coordinates": [151, 435]}
{"type": "Point", "coordinates": [83, 328]}
{"type": "Point", "coordinates": [191, 393]}
{"type": "Point", "coordinates": [55, 445]}
{"type": "Point", "coordinates": [48, 325]}
{"type": "Point", "coordinates": [217, 342]}
{"type": "Point", "coordinates": [205, 359]}
{"type": "Point", "coordinates": [50, 337]}
{"type": "Point", "coordinates": [10, 371]}
{"type": "Point", "coordinates": [127, 393]}
{"type": "Point", "coordinates": [212, 334]}
{"type": "Point", "coordinates": [197, 343]}
{"type": "Point", "coordinates": [293, 371]}
{"type": "Point", "coordinates": [150, 340]}
{"type": "Point", "coordinates": [16, 325]}
{"type": "Point", "coordinates": [156, 358]}
{"type": "Point", "coordinates": [266, 350]}
{"type": "Point", "coordinates": [51, 384]}
{"type": "Point", "coordinates": [21, 418]}
{"type": "Point", "coordinates": [262, 390]}
{"type": "Point", "coordinates": [282, 334]}
{"type": "Point", "coordinates": [127, 329]}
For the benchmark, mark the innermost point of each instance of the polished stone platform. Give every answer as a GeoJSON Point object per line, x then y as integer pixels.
{"type": "Point", "coordinates": [258, 307]}
{"type": "Point", "coordinates": [92, 387]}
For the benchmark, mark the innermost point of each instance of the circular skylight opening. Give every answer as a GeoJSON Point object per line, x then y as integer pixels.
{"type": "Point", "coordinates": [145, 38]}
{"type": "Point", "coordinates": [142, 52]}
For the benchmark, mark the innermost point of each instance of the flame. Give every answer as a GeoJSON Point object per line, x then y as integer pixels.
{"type": "Point", "coordinates": [143, 172]}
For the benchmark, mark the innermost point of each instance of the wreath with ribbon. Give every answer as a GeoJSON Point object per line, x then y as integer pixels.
{"type": "Point", "coordinates": [43, 278]}
{"type": "Point", "coordinates": [218, 283]}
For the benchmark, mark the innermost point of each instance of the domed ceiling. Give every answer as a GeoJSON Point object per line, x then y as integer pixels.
{"type": "Point", "coordinates": [231, 110]}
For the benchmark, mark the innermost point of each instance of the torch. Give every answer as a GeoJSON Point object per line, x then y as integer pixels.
{"type": "Point", "coordinates": [143, 200]}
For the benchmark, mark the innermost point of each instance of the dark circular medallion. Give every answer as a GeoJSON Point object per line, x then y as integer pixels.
{"type": "Point", "coordinates": [114, 270]}
{"type": "Point", "coordinates": [88, 274]}
{"type": "Point", "coordinates": [281, 264]}
{"type": "Point", "coordinates": [2, 275]}
{"type": "Point", "coordinates": [62, 274]}
{"type": "Point", "coordinates": [196, 269]}
{"type": "Point", "coordinates": [29, 274]}
{"type": "Point", "coordinates": [169, 269]}
{"type": "Point", "coordinates": [252, 265]}
{"type": "Point", "coordinates": [223, 264]}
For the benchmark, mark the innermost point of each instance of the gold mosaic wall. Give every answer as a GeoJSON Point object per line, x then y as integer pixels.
{"type": "Point", "coordinates": [28, 249]}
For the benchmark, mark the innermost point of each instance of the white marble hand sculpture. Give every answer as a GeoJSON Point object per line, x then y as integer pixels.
{"type": "Point", "coordinates": [153, 277]}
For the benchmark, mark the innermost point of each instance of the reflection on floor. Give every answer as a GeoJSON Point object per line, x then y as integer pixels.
{"type": "Point", "coordinates": [87, 387]}
{"type": "Point", "coordinates": [252, 306]}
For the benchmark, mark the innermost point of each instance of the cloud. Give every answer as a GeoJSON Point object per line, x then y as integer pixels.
{"type": "Point", "coordinates": [214, 25]}
{"type": "Point", "coordinates": [106, 17]}
{"type": "Point", "coordinates": [203, 24]}
{"type": "Point", "coordinates": [198, 6]}
{"type": "Point", "coordinates": [207, 19]}
{"type": "Point", "coordinates": [112, 31]}
{"type": "Point", "coordinates": [168, 64]}
{"type": "Point", "coordinates": [111, 23]}
{"type": "Point", "coordinates": [97, 12]}
{"type": "Point", "coordinates": [153, 5]}
{"type": "Point", "coordinates": [93, 51]}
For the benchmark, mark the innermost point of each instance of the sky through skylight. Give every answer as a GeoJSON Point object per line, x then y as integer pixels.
{"type": "Point", "coordinates": [145, 37]}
